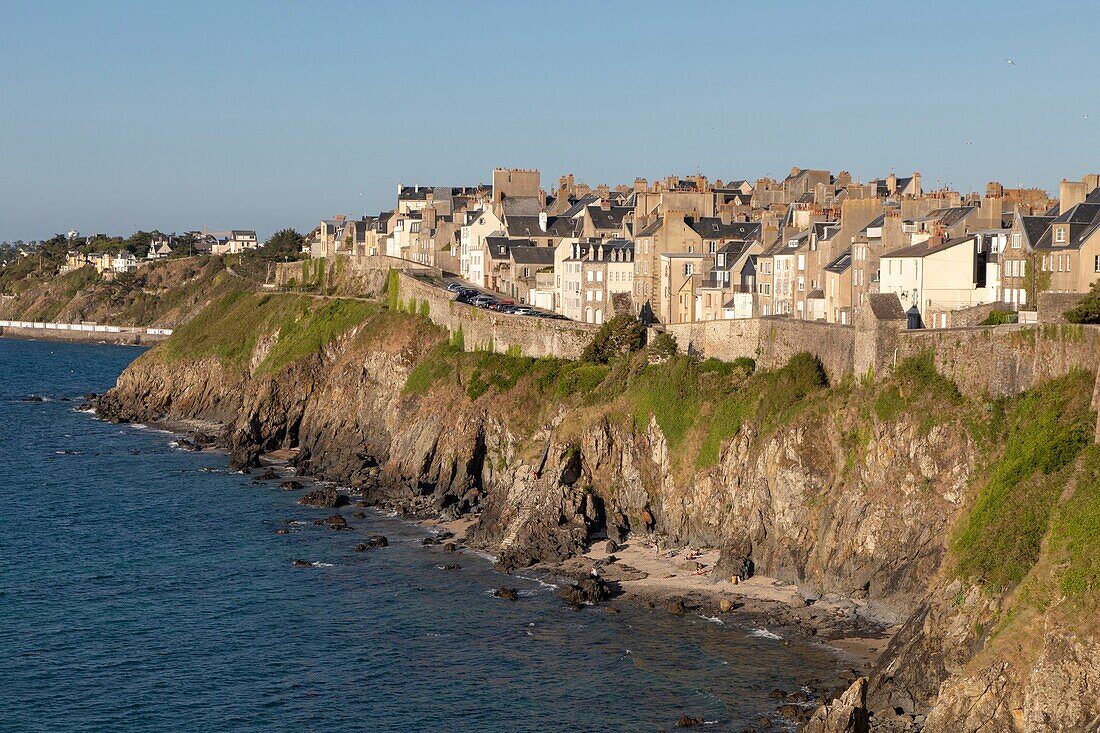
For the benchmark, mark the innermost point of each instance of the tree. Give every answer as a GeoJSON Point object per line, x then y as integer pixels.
{"type": "Point", "coordinates": [622, 334]}
{"type": "Point", "coordinates": [1087, 309]}
{"type": "Point", "coordinates": [283, 243]}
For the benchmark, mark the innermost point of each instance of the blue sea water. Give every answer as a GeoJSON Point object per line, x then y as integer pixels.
{"type": "Point", "coordinates": [142, 588]}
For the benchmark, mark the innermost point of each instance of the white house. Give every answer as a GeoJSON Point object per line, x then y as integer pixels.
{"type": "Point", "coordinates": [938, 276]}
{"type": "Point", "coordinates": [124, 261]}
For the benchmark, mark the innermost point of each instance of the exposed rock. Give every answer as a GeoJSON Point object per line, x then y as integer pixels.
{"type": "Point", "coordinates": [282, 530]}
{"type": "Point", "coordinates": [687, 721]}
{"type": "Point", "coordinates": [267, 475]}
{"type": "Point", "coordinates": [372, 543]}
{"type": "Point", "coordinates": [336, 521]}
{"type": "Point", "coordinates": [302, 563]}
{"type": "Point", "coordinates": [452, 566]}
{"type": "Point", "coordinates": [32, 398]}
{"type": "Point", "coordinates": [676, 607]}
{"type": "Point", "coordinates": [508, 594]}
{"type": "Point", "coordinates": [585, 591]}
{"type": "Point", "coordinates": [291, 485]}
{"type": "Point", "coordinates": [726, 605]}
{"type": "Point", "coordinates": [450, 547]}
{"type": "Point", "coordinates": [324, 498]}
{"type": "Point", "coordinates": [846, 714]}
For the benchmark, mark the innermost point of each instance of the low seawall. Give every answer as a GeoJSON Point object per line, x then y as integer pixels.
{"type": "Point", "coordinates": [82, 332]}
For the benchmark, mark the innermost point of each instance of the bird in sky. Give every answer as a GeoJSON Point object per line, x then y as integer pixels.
{"type": "Point", "coordinates": [1010, 62]}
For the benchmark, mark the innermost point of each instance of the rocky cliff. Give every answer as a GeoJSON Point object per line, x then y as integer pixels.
{"type": "Point", "coordinates": [865, 491]}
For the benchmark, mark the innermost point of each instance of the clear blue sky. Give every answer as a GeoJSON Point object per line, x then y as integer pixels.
{"type": "Point", "coordinates": [172, 115]}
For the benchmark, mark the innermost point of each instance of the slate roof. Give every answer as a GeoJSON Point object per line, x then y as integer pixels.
{"type": "Point", "coordinates": [651, 228]}
{"type": "Point", "coordinates": [1034, 226]}
{"type": "Point", "coordinates": [528, 226]}
{"type": "Point", "coordinates": [886, 306]}
{"type": "Point", "coordinates": [531, 255]}
{"type": "Point", "coordinates": [875, 223]}
{"type": "Point", "coordinates": [841, 263]}
{"type": "Point", "coordinates": [711, 227]}
{"type": "Point", "coordinates": [1093, 197]}
{"type": "Point", "coordinates": [521, 206]}
{"type": "Point", "coordinates": [927, 248]}
{"type": "Point", "coordinates": [1083, 220]}
{"type": "Point", "coordinates": [498, 246]}
{"type": "Point", "coordinates": [612, 218]}
{"type": "Point", "coordinates": [950, 216]}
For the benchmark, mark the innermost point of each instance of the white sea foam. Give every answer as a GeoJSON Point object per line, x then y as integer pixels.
{"type": "Point", "coordinates": [764, 634]}
{"type": "Point", "coordinates": [712, 619]}
{"type": "Point", "coordinates": [321, 564]}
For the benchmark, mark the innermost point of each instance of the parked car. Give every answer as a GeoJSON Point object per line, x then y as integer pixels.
{"type": "Point", "coordinates": [456, 287]}
{"type": "Point", "coordinates": [483, 301]}
{"type": "Point", "coordinates": [500, 305]}
{"type": "Point", "coordinates": [524, 312]}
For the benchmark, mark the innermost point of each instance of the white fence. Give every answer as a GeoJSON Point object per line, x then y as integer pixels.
{"type": "Point", "coordinates": [89, 327]}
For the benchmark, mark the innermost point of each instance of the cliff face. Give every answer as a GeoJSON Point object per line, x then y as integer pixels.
{"type": "Point", "coordinates": [847, 491]}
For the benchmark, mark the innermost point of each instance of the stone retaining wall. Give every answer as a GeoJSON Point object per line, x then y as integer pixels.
{"type": "Point", "coordinates": [770, 341]}
{"type": "Point", "coordinates": [1005, 360]}
{"type": "Point", "coordinates": [486, 330]}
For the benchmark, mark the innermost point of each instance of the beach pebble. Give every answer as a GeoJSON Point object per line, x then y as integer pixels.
{"type": "Point", "coordinates": [676, 607]}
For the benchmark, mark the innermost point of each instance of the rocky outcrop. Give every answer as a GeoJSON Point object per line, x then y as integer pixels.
{"type": "Point", "coordinates": [846, 714]}
{"type": "Point", "coordinates": [805, 502]}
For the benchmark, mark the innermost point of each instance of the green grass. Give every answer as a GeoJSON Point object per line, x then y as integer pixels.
{"type": "Point", "coordinates": [1047, 428]}
{"type": "Point", "coordinates": [307, 329]}
{"type": "Point", "coordinates": [1075, 531]}
{"type": "Point", "coordinates": [229, 328]}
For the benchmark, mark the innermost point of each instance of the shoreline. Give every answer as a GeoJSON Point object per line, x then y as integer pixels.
{"type": "Point", "coordinates": [80, 337]}
{"type": "Point", "coordinates": [642, 575]}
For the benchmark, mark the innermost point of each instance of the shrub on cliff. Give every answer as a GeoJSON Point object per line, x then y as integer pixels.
{"type": "Point", "coordinates": [1087, 309]}
{"type": "Point", "coordinates": [664, 347]}
{"type": "Point", "coordinates": [623, 334]}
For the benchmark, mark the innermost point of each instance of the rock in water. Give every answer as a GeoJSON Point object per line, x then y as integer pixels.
{"type": "Point", "coordinates": [302, 563]}
{"type": "Point", "coordinates": [290, 485]}
{"type": "Point", "coordinates": [587, 590]}
{"type": "Point", "coordinates": [676, 608]}
{"type": "Point", "coordinates": [450, 547]}
{"type": "Point", "coordinates": [324, 498]}
{"type": "Point", "coordinates": [336, 521]}
{"type": "Point", "coordinates": [508, 594]}
{"type": "Point", "coordinates": [846, 714]}
{"type": "Point", "coordinates": [687, 721]}
{"type": "Point", "coordinates": [373, 542]}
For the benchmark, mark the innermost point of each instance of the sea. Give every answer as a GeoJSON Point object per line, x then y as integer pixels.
{"type": "Point", "coordinates": [144, 588]}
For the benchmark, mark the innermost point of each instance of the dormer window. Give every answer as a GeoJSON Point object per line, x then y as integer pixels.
{"type": "Point", "coordinates": [1060, 235]}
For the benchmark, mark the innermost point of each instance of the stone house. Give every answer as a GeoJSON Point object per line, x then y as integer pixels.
{"type": "Point", "coordinates": [681, 273]}
{"type": "Point", "coordinates": [1019, 274]}
{"type": "Point", "coordinates": [595, 272]}
{"type": "Point", "coordinates": [837, 289]}
{"type": "Point", "coordinates": [478, 225]}
{"type": "Point", "coordinates": [529, 275]}
{"type": "Point", "coordinates": [1069, 249]}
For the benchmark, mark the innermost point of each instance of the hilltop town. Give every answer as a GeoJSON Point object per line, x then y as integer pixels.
{"type": "Point", "coordinates": [813, 246]}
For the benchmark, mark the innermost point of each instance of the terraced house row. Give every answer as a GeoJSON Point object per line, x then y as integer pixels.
{"type": "Point", "coordinates": [812, 246]}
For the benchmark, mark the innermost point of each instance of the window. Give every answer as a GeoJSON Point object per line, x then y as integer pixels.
{"type": "Point", "coordinates": [1096, 264]}
{"type": "Point", "coordinates": [1060, 235]}
{"type": "Point", "coordinates": [1044, 263]}
{"type": "Point", "coordinates": [721, 260]}
{"type": "Point", "coordinates": [801, 284]}
{"type": "Point", "coordinates": [527, 272]}
{"type": "Point", "coordinates": [591, 275]}
{"type": "Point", "coordinates": [689, 268]}
{"type": "Point", "coordinates": [713, 247]}
{"type": "Point", "coordinates": [599, 295]}
{"type": "Point", "coordinates": [599, 276]}
{"type": "Point", "coordinates": [1017, 240]}
{"type": "Point", "coordinates": [801, 263]}
{"type": "Point", "coordinates": [691, 249]}
{"type": "Point", "coordinates": [1023, 267]}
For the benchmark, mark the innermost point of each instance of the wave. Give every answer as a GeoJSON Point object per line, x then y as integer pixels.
{"type": "Point", "coordinates": [321, 564]}
{"type": "Point", "coordinates": [765, 634]}
{"type": "Point", "coordinates": [712, 619]}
